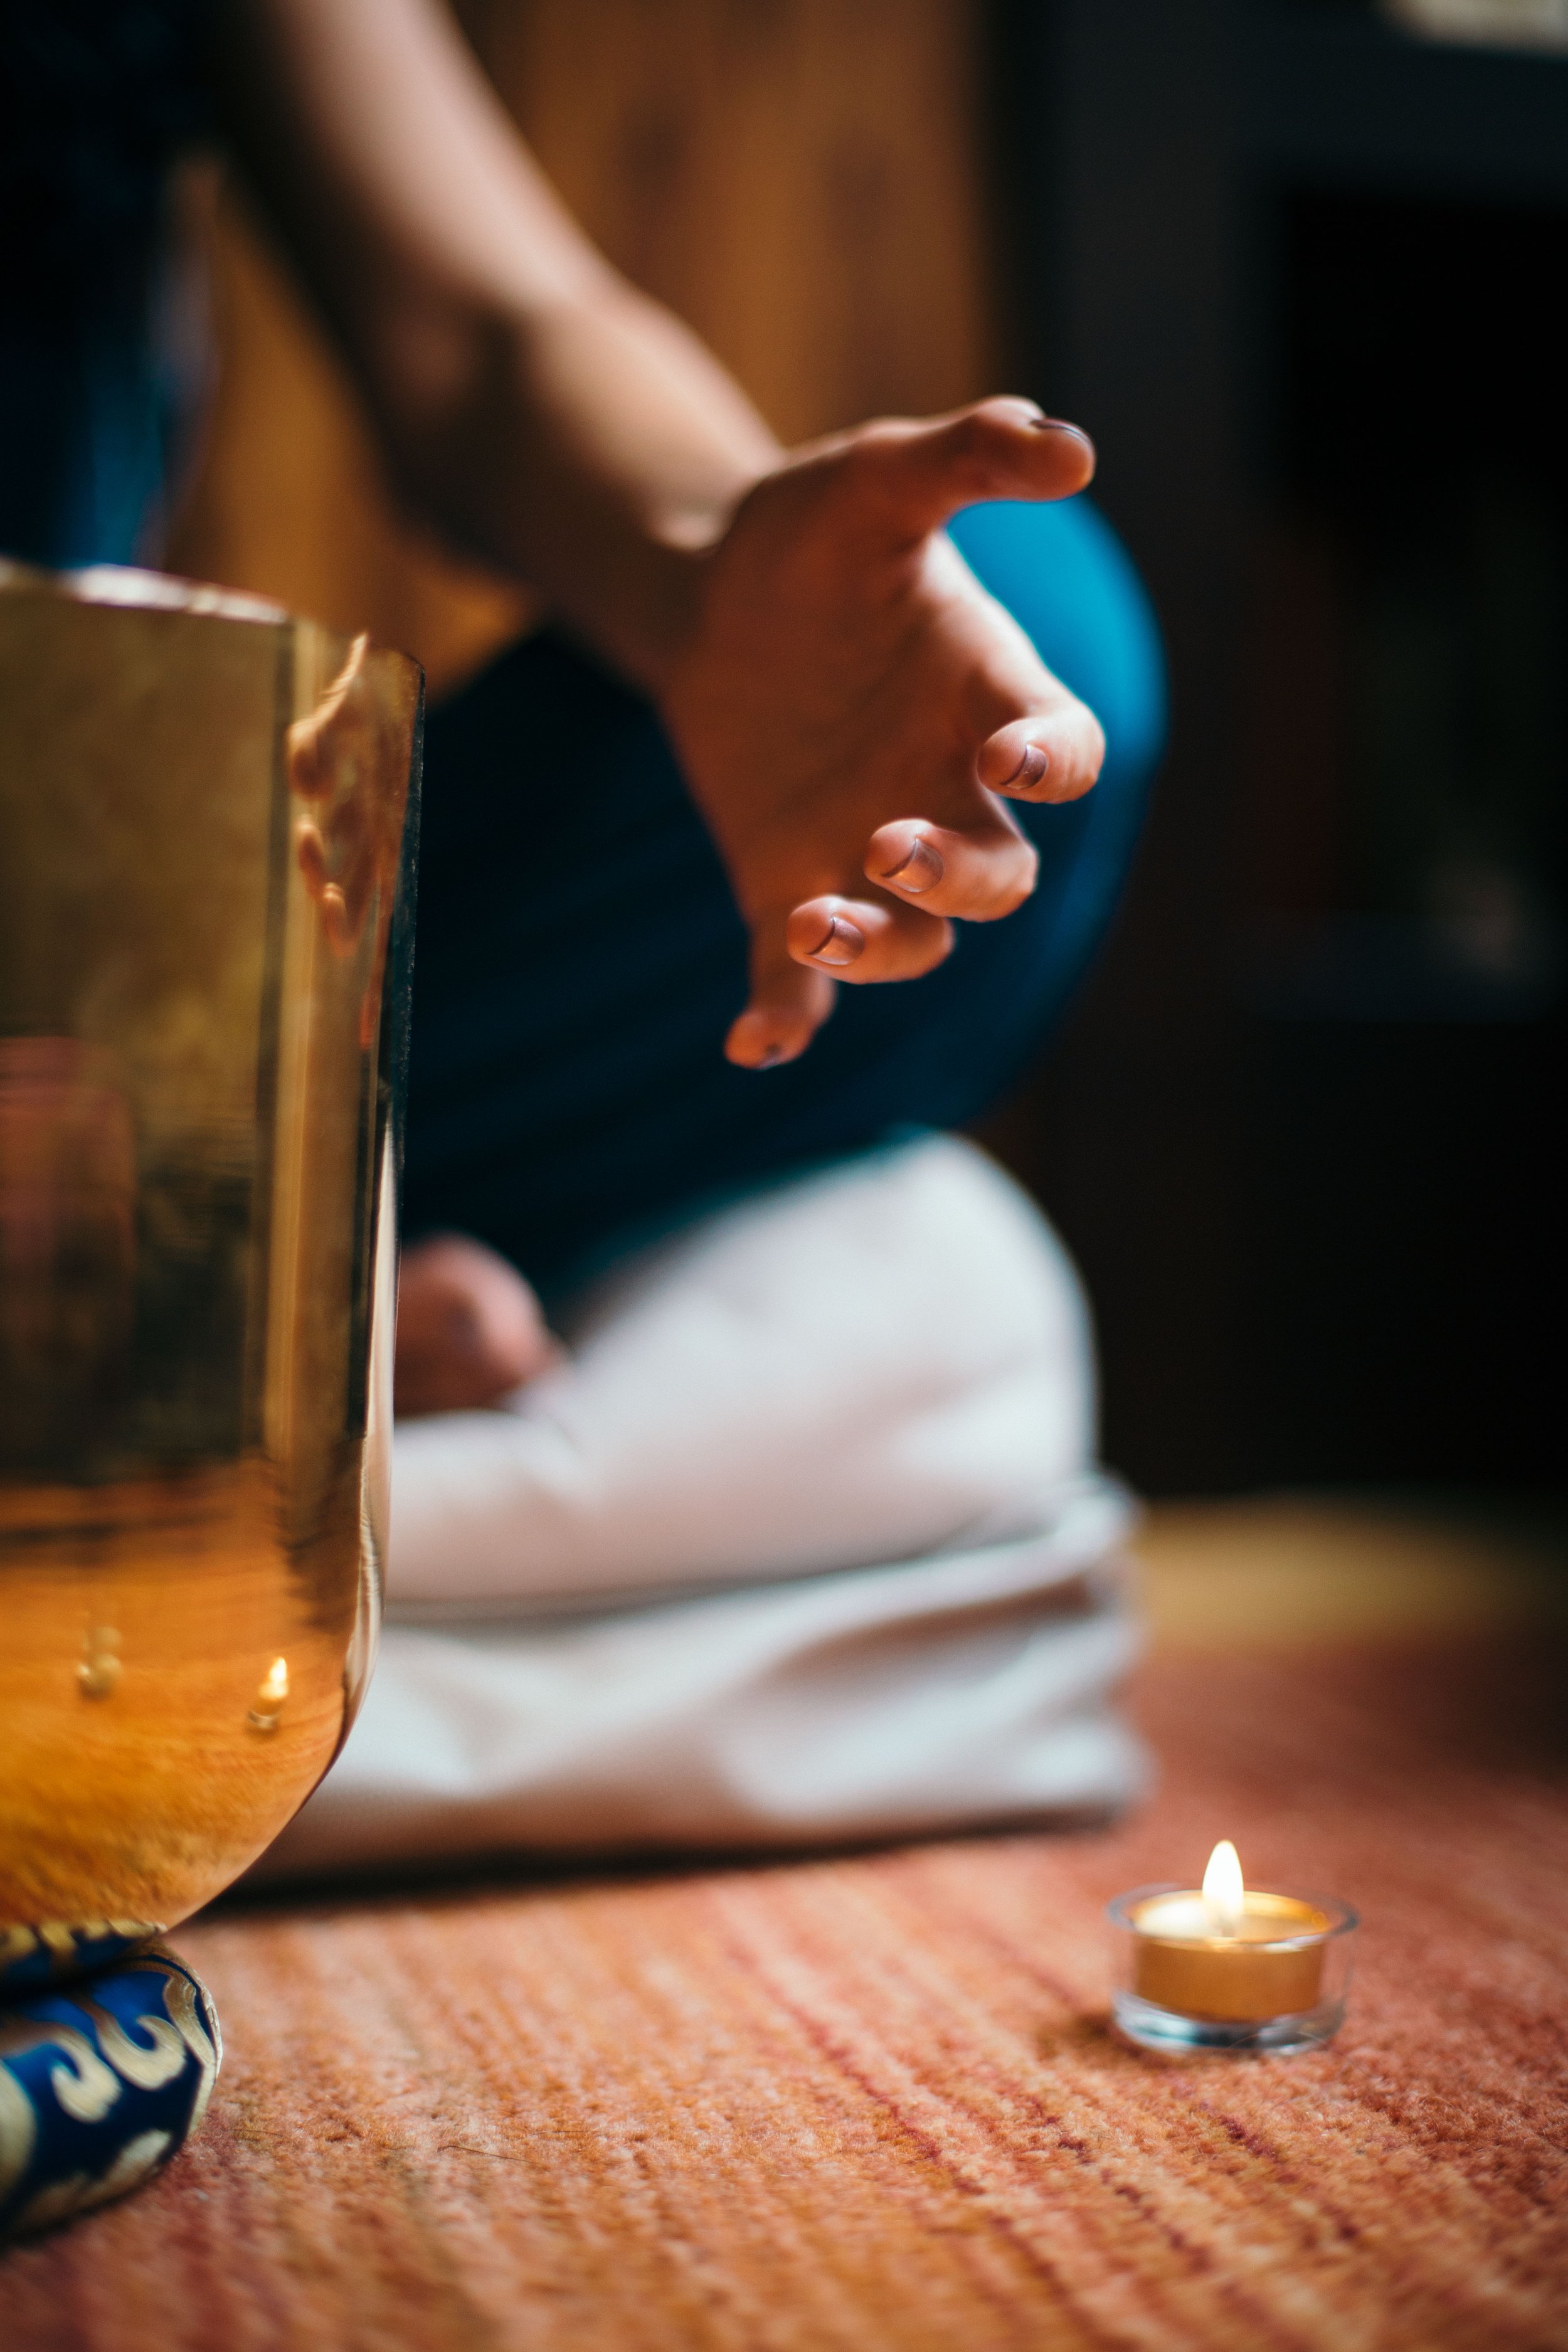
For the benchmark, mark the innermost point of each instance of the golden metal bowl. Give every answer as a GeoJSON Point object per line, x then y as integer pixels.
{"type": "Point", "coordinates": [205, 915]}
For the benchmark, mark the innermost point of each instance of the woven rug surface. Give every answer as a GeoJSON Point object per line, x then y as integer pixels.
{"type": "Point", "coordinates": [872, 2101]}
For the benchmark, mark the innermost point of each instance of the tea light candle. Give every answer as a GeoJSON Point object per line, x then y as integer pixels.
{"type": "Point", "coordinates": [1226, 1967]}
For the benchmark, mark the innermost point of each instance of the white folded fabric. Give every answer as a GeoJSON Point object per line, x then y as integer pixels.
{"type": "Point", "coordinates": [806, 1543]}
{"type": "Point", "coordinates": [871, 1363]}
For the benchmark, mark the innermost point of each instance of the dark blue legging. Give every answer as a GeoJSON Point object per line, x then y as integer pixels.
{"type": "Point", "coordinates": [579, 955]}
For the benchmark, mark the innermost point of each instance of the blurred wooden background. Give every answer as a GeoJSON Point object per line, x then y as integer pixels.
{"type": "Point", "coordinates": [801, 179]}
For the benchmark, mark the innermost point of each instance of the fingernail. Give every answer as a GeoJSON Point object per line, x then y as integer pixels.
{"type": "Point", "coordinates": [769, 1058]}
{"type": "Point", "coordinates": [1057, 424]}
{"type": "Point", "coordinates": [841, 943]}
{"type": "Point", "coordinates": [1027, 772]}
{"type": "Point", "coordinates": [920, 869]}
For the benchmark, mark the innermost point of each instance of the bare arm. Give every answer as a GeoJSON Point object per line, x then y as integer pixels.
{"type": "Point", "coordinates": [534, 404]}
{"type": "Point", "coordinates": [851, 710]}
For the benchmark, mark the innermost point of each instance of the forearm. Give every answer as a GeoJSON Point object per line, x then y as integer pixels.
{"type": "Point", "coordinates": [588, 442]}
{"type": "Point", "coordinates": [531, 404]}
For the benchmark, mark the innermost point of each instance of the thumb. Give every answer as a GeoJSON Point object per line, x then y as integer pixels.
{"type": "Point", "coordinates": [922, 472]}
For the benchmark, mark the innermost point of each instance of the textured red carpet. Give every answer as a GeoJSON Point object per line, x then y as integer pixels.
{"type": "Point", "coordinates": [870, 2102]}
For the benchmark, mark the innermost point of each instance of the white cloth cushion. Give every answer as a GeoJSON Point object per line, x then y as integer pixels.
{"type": "Point", "coordinates": [873, 1363]}
{"type": "Point", "coordinates": [805, 1544]}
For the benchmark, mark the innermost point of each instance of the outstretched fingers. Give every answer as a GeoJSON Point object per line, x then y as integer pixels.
{"type": "Point", "coordinates": [922, 473]}
{"type": "Point", "coordinates": [859, 940]}
{"type": "Point", "coordinates": [794, 966]}
{"type": "Point", "coordinates": [986, 868]}
{"type": "Point", "coordinates": [1054, 758]}
{"type": "Point", "coordinates": [976, 876]}
{"type": "Point", "coordinates": [788, 1005]}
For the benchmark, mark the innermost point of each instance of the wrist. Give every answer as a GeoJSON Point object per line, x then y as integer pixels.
{"type": "Point", "coordinates": [683, 545]}
{"type": "Point", "coordinates": [676, 569]}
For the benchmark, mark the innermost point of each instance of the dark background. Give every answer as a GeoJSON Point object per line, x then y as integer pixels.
{"type": "Point", "coordinates": [1305, 275]}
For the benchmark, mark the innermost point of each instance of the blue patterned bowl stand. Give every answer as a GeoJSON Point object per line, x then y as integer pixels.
{"type": "Point", "coordinates": [101, 2080]}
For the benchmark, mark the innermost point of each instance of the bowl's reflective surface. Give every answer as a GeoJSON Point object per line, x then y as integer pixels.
{"type": "Point", "coordinates": [203, 952]}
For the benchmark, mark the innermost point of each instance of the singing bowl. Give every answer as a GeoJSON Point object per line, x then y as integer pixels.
{"type": "Point", "coordinates": [206, 820]}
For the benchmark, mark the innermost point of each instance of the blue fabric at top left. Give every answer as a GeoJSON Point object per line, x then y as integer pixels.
{"type": "Point", "coordinates": [97, 98]}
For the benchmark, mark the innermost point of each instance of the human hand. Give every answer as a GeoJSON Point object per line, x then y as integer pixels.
{"type": "Point", "coordinates": [853, 710]}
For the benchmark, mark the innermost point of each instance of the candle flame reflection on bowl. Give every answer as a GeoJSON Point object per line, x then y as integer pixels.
{"type": "Point", "coordinates": [1224, 1896]}
{"type": "Point", "coordinates": [269, 1699]}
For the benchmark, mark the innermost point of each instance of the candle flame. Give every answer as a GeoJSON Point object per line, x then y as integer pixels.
{"type": "Point", "coordinates": [1224, 1894]}
{"type": "Point", "coordinates": [275, 1685]}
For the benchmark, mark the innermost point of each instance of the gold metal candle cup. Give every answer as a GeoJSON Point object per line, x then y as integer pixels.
{"type": "Point", "coordinates": [204, 917]}
{"type": "Point", "coordinates": [1278, 1982]}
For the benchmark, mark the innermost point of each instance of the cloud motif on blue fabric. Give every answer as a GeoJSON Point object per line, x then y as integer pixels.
{"type": "Point", "coordinates": [99, 2084]}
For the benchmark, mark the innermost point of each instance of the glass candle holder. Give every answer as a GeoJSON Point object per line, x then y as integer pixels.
{"type": "Point", "coordinates": [1275, 1982]}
